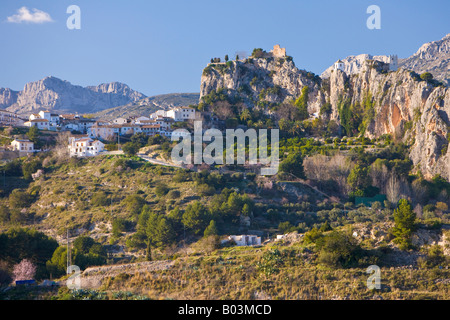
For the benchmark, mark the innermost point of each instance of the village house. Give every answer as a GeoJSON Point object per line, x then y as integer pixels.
{"type": "Point", "coordinates": [181, 114]}
{"type": "Point", "coordinates": [151, 130]}
{"type": "Point", "coordinates": [41, 124]}
{"type": "Point", "coordinates": [71, 122]}
{"type": "Point", "coordinates": [164, 122]}
{"type": "Point", "coordinates": [138, 120]}
{"type": "Point", "coordinates": [85, 147]}
{"type": "Point", "coordinates": [22, 145]}
{"type": "Point", "coordinates": [52, 119]}
{"type": "Point", "coordinates": [157, 114]}
{"type": "Point", "coordinates": [34, 116]}
{"type": "Point", "coordinates": [245, 240]}
{"type": "Point", "coordinates": [120, 121]}
{"type": "Point", "coordinates": [177, 114]}
{"type": "Point", "coordinates": [106, 132]}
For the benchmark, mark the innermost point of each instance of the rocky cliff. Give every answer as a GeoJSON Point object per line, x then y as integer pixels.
{"type": "Point", "coordinates": [278, 79]}
{"type": "Point", "coordinates": [433, 57]}
{"type": "Point", "coordinates": [7, 97]}
{"type": "Point", "coordinates": [372, 102]}
{"type": "Point", "coordinates": [55, 94]}
{"type": "Point", "coordinates": [404, 106]}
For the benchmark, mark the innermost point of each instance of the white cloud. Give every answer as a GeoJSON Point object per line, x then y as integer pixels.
{"type": "Point", "coordinates": [27, 16]}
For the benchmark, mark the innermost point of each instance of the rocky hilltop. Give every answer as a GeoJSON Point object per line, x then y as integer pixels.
{"type": "Point", "coordinates": [433, 57]}
{"type": "Point", "coordinates": [277, 78]}
{"type": "Point", "coordinates": [56, 94]}
{"type": "Point", "coordinates": [372, 102]}
{"type": "Point", "coordinates": [353, 64]}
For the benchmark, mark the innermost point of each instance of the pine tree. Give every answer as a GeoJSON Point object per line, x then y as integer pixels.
{"type": "Point", "coordinates": [404, 218]}
{"type": "Point", "coordinates": [211, 230]}
{"type": "Point", "coordinates": [165, 234]}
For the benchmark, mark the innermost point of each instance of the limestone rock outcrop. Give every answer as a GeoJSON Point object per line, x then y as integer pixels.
{"type": "Point", "coordinates": [402, 104]}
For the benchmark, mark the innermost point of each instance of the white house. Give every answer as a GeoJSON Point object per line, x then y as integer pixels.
{"type": "Point", "coordinates": [182, 114]}
{"type": "Point", "coordinates": [120, 121]}
{"type": "Point", "coordinates": [76, 123]}
{"type": "Point", "coordinates": [245, 240]}
{"type": "Point", "coordinates": [53, 118]}
{"type": "Point", "coordinates": [107, 132]}
{"type": "Point", "coordinates": [41, 124]}
{"type": "Point", "coordinates": [34, 116]}
{"type": "Point", "coordinates": [164, 122]}
{"type": "Point", "coordinates": [159, 113]}
{"type": "Point", "coordinates": [151, 130]}
{"type": "Point", "coordinates": [85, 147]}
{"type": "Point", "coordinates": [22, 145]}
{"type": "Point", "coordinates": [141, 119]}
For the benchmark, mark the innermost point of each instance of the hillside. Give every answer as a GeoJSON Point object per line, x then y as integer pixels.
{"type": "Point", "coordinates": [371, 103]}
{"type": "Point", "coordinates": [55, 94]}
{"type": "Point", "coordinates": [136, 211]}
{"type": "Point", "coordinates": [146, 106]}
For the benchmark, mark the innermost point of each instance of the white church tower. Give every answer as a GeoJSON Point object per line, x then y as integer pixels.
{"type": "Point", "coordinates": [339, 65]}
{"type": "Point", "coordinates": [393, 63]}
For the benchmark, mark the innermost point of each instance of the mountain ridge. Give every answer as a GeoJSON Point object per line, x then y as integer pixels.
{"type": "Point", "coordinates": [54, 94]}
{"type": "Point", "coordinates": [433, 57]}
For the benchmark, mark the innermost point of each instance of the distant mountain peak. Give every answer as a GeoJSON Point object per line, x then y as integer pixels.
{"type": "Point", "coordinates": [56, 94]}
{"type": "Point", "coordinates": [433, 57]}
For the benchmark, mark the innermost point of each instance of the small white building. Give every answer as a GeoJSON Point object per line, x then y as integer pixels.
{"type": "Point", "coordinates": [393, 63]}
{"type": "Point", "coordinates": [41, 124]}
{"type": "Point", "coordinates": [245, 240]}
{"type": "Point", "coordinates": [120, 121]}
{"type": "Point", "coordinates": [22, 145]}
{"type": "Point", "coordinates": [141, 119]}
{"type": "Point", "coordinates": [85, 147]}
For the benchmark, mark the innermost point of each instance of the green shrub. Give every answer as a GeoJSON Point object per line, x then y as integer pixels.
{"type": "Point", "coordinates": [99, 199]}
{"type": "Point", "coordinates": [161, 190]}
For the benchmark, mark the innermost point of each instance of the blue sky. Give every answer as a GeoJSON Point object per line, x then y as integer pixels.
{"type": "Point", "coordinates": [161, 47]}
